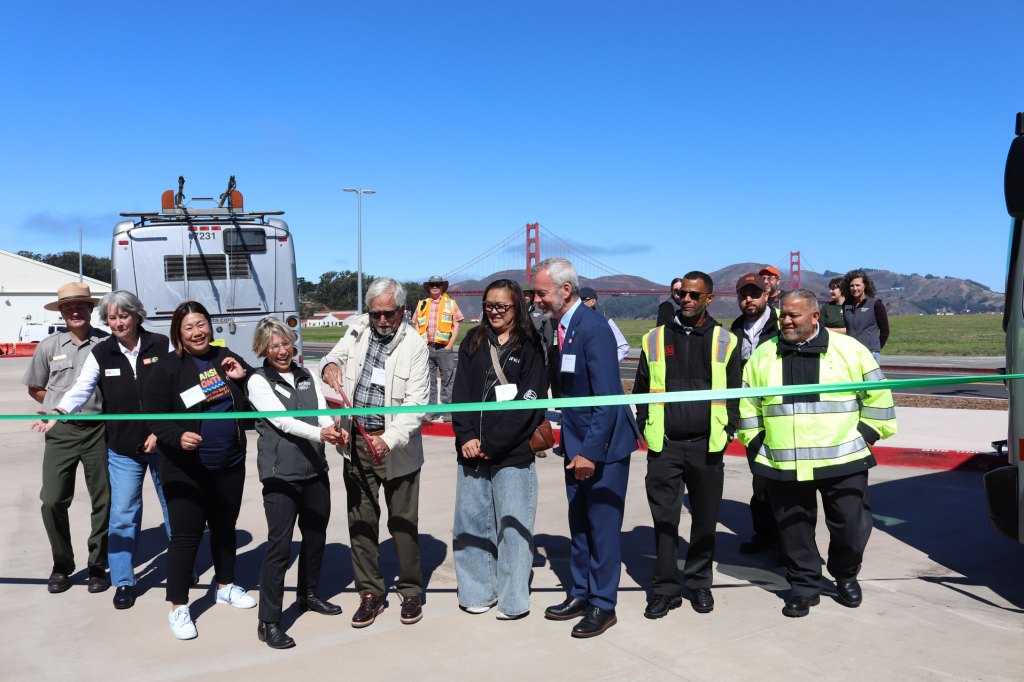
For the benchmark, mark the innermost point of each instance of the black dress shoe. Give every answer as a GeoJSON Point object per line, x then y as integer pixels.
{"type": "Point", "coordinates": [849, 592]}
{"type": "Point", "coordinates": [311, 602]}
{"type": "Point", "coordinates": [124, 597]}
{"type": "Point", "coordinates": [701, 600]}
{"type": "Point", "coordinates": [58, 582]}
{"type": "Point", "coordinates": [567, 610]}
{"type": "Point", "coordinates": [98, 580]}
{"type": "Point", "coordinates": [798, 607]}
{"type": "Point", "coordinates": [661, 605]}
{"type": "Point", "coordinates": [595, 621]}
{"type": "Point", "coordinates": [274, 635]}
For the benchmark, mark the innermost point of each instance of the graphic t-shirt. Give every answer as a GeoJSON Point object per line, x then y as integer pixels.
{"type": "Point", "coordinates": [220, 447]}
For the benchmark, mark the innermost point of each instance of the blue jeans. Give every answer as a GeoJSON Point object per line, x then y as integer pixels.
{"type": "Point", "coordinates": [493, 536]}
{"type": "Point", "coordinates": [127, 472]}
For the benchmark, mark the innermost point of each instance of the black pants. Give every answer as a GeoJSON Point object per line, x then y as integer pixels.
{"type": "Point", "coordinates": [703, 473]}
{"type": "Point", "coordinates": [761, 514]}
{"type": "Point", "coordinates": [284, 502]}
{"type": "Point", "coordinates": [847, 515]}
{"type": "Point", "coordinates": [196, 498]}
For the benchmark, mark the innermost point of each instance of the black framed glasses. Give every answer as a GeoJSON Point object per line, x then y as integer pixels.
{"type": "Point", "coordinates": [387, 314]}
{"type": "Point", "coordinates": [694, 295]}
{"type": "Point", "coordinates": [501, 308]}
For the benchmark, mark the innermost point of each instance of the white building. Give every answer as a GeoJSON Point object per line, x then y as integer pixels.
{"type": "Point", "coordinates": [26, 285]}
{"type": "Point", "coordinates": [329, 318]}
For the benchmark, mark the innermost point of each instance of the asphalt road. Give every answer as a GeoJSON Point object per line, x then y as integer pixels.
{"type": "Point", "coordinates": [991, 390]}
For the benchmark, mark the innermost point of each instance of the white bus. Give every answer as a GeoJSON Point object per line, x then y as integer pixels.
{"type": "Point", "coordinates": [1004, 487]}
{"type": "Point", "coordinates": [239, 264]}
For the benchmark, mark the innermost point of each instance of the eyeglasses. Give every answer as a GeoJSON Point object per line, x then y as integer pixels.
{"type": "Point", "coordinates": [677, 292]}
{"type": "Point", "coordinates": [388, 314]}
{"type": "Point", "coordinates": [694, 295]}
{"type": "Point", "coordinates": [281, 346]}
{"type": "Point", "coordinates": [501, 308]}
{"type": "Point", "coordinates": [435, 286]}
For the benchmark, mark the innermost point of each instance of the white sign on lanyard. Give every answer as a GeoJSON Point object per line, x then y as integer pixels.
{"type": "Point", "coordinates": [569, 364]}
{"type": "Point", "coordinates": [193, 396]}
{"type": "Point", "coordinates": [505, 392]}
{"type": "Point", "coordinates": [378, 376]}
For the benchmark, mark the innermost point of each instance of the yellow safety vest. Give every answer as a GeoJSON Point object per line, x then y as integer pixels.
{"type": "Point", "coordinates": [445, 320]}
{"type": "Point", "coordinates": [723, 343]}
{"type": "Point", "coordinates": [802, 439]}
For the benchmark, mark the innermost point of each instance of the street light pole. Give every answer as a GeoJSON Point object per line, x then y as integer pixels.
{"type": "Point", "coordinates": [359, 243]}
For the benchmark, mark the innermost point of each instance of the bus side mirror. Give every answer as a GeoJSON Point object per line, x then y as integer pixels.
{"type": "Point", "coordinates": [1013, 180]}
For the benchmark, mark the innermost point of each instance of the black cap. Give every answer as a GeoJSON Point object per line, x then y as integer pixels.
{"type": "Point", "coordinates": [587, 292]}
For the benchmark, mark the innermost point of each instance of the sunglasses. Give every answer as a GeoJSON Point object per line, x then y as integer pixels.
{"type": "Point", "coordinates": [694, 295]}
{"type": "Point", "coordinates": [677, 292]}
{"type": "Point", "coordinates": [388, 314]}
{"type": "Point", "coordinates": [501, 308]}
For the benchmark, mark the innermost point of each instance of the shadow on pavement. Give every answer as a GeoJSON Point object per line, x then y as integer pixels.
{"type": "Point", "coordinates": [943, 514]}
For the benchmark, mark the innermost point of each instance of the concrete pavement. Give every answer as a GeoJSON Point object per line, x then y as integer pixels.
{"type": "Point", "coordinates": [943, 594]}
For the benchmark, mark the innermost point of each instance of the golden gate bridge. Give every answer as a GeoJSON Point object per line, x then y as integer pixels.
{"type": "Point", "coordinates": [510, 259]}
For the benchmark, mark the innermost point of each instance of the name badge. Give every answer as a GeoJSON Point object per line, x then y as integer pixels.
{"type": "Point", "coordinates": [504, 392]}
{"type": "Point", "coordinates": [282, 390]}
{"type": "Point", "coordinates": [569, 364]}
{"type": "Point", "coordinates": [378, 376]}
{"type": "Point", "coordinates": [193, 396]}
{"type": "Point", "coordinates": [55, 358]}
{"type": "Point", "coordinates": [116, 372]}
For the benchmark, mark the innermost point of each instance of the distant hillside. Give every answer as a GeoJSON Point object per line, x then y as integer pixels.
{"type": "Point", "coordinates": [903, 294]}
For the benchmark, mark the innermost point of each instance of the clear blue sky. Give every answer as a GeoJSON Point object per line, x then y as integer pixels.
{"type": "Point", "coordinates": [660, 136]}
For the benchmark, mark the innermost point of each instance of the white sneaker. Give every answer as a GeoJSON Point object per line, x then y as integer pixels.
{"type": "Point", "coordinates": [236, 596]}
{"type": "Point", "coordinates": [181, 623]}
{"type": "Point", "coordinates": [504, 616]}
{"type": "Point", "coordinates": [476, 610]}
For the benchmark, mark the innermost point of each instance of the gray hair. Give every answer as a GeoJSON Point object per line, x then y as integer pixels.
{"type": "Point", "coordinates": [803, 295]}
{"type": "Point", "coordinates": [122, 300]}
{"type": "Point", "coordinates": [561, 271]}
{"type": "Point", "coordinates": [385, 285]}
{"type": "Point", "coordinates": [266, 329]}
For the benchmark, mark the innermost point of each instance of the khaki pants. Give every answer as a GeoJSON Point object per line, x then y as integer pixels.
{"type": "Point", "coordinates": [67, 444]}
{"type": "Point", "coordinates": [363, 480]}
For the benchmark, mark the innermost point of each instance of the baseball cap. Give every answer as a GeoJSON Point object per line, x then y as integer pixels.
{"type": "Point", "coordinates": [750, 280]}
{"type": "Point", "coordinates": [587, 292]}
{"type": "Point", "coordinates": [769, 270]}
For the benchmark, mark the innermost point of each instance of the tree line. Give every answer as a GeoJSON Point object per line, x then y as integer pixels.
{"type": "Point", "coordinates": [92, 266]}
{"type": "Point", "coordinates": [338, 291]}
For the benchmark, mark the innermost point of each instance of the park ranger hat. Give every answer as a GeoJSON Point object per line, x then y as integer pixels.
{"type": "Point", "coordinates": [438, 280]}
{"type": "Point", "coordinates": [72, 292]}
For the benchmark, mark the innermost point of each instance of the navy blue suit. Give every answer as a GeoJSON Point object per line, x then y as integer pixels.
{"type": "Point", "coordinates": [604, 435]}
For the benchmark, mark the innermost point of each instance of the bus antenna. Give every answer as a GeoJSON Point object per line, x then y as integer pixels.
{"type": "Point", "coordinates": [227, 194]}
{"type": "Point", "coordinates": [179, 198]}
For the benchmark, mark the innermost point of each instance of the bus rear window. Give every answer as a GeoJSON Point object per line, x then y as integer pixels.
{"type": "Point", "coordinates": [244, 240]}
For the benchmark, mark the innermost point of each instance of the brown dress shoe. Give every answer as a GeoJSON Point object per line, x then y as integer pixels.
{"type": "Point", "coordinates": [412, 612]}
{"type": "Point", "coordinates": [370, 606]}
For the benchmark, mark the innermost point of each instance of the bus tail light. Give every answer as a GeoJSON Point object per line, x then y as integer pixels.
{"type": "Point", "coordinates": [292, 321]}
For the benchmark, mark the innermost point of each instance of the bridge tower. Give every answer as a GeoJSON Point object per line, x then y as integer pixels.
{"type": "Point", "coordinates": [794, 270]}
{"type": "Point", "coordinates": [532, 249]}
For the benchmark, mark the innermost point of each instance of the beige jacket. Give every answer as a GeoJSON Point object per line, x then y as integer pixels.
{"type": "Point", "coordinates": [405, 384]}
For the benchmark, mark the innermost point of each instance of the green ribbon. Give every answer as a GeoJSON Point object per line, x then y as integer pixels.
{"type": "Point", "coordinates": [546, 403]}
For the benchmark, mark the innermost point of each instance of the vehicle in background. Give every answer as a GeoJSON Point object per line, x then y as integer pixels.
{"type": "Point", "coordinates": [1004, 487]}
{"type": "Point", "coordinates": [34, 332]}
{"type": "Point", "coordinates": [239, 264]}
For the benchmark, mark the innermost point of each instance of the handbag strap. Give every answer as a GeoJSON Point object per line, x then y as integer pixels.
{"type": "Point", "coordinates": [497, 367]}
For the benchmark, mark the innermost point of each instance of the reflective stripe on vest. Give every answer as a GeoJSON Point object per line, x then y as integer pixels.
{"type": "Point", "coordinates": [445, 318]}
{"type": "Point", "coordinates": [722, 345]}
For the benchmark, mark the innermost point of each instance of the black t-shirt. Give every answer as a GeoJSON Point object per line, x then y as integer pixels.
{"type": "Point", "coordinates": [220, 447]}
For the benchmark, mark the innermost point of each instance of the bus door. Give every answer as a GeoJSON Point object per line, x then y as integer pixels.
{"type": "Point", "coordinates": [1004, 487]}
